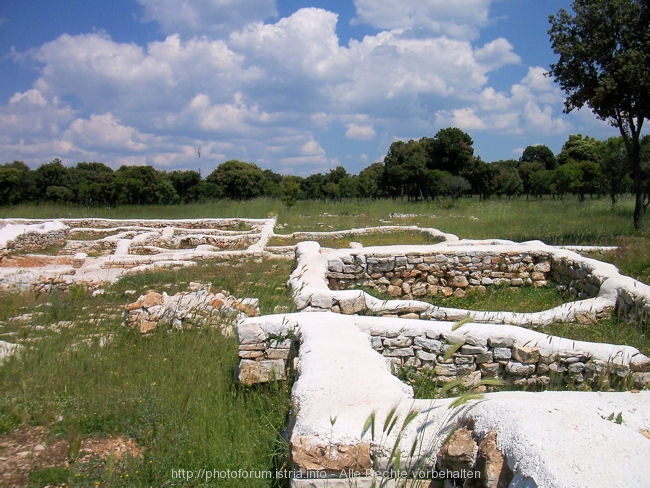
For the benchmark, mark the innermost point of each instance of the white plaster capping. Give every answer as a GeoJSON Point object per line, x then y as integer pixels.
{"type": "Point", "coordinates": [128, 235]}
{"type": "Point", "coordinates": [311, 290]}
{"type": "Point", "coordinates": [550, 439]}
{"type": "Point", "coordinates": [382, 229]}
{"type": "Point", "coordinates": [13, 230]}
{"type": "Point", "coordinates": [8, 349]}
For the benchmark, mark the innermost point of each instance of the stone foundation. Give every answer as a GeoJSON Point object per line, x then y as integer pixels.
{"type": "Point", "coordinates": [327, 279]}
{"type": "Point", "coordinates": [522, 358]}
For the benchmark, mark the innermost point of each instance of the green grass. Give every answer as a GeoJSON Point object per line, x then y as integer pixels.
{"type": "Point", "coordinates": [370, 239]}
{"type": "Point", "coordinates": [498, 298]}
{"type": "Point", "coordinates": [174, 393]}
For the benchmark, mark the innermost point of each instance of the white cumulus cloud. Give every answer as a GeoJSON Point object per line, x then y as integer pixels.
{"type": "Point", "coordinates": [460, 19]}
{"type": "Point", "coordinates": [215, 17]}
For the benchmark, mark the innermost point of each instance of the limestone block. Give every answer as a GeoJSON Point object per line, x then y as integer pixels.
{"type": "Point", "coordinates": [445, 369]}
{"type": "Point", "coordinates": [459, 281]}
{"type": "Point", "coordinates": [486, 357]}
{"type": "Point", "coordinates": [501, 353]}
{"type": "Point", "coordinates": [401, 341]}
{"type": "Point", "coordinates": [252, 372]}
{"type": "Point", "coordinates": [459, 452]}
{"type": "Point", "coordinates": [472, 349]}
{"type": "Point", "coordinates": [575, 368]}
{"type": "Point", "coordinates": [152, 298]}
{"type": "Point", "coordinates": [431, 345]}
{"type": "Point", "coordinates": [335, 265]}
{"type": "Point", "coordinates": [526, 355]}
{"type": "Point", "coordinates": [147, 326]}
{"type": "Point", "coordinates": [426, 356]}
{"type": "Point", "coordinates": [463, 359]}
{"type": "Point", "coordinates": [490, 370]}
{"type": "Point", "coordinates": [640, 363]}
{"type": "Point", "coordinates": [313, 454]}
{"type": "Point", "coordinates": [394, 290]}
{"type": "Point", "coordinates": [520, 369]}
{"type": "Point", "coordinates": [250, 306]}
{"type": "Point", "coordinates": [251, 332]}
{"type": "Point", "coordinates": [401, 352]}
{"type": "Point", "coordinates": [277, 353]}
{"type": "Point", "coordinates": [321, 300]}
{"type": "Point", "coordinates": [352, 304]}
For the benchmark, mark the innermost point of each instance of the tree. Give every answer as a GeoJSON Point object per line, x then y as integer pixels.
{"type": "Point", "coordinates": [507, 180]}
{"type": "Point", "coordinates": [56, 175]}
{"type": "Point", "coordinates": [539, 154]}
{"type": "Point", "coordinates": [604, 59]}
{"type": "Point", "coordinates": [289, 190]}
{"type": "Point", "coordinates": [578, 148]}
{"type": "Point", "coordinates": [370, 180]}
{"type": "Point", "coordinates": [187, 184]}
{"type": "Point", "coordinates": [615, 172]}
{"type": "Point", "coordinates": [450, 150]}
{"type": "Point", "coordinates": [404, 168]}
{"type": "Point", "coordinates": [238, 180]}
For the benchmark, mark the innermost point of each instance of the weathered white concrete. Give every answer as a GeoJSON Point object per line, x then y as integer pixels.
{"type": "Point", "coordinates": [311, 290]}
{"type": "Point", "coordinates": [550, 439]}
{"type": "Point", "coordinates": [129, 241]}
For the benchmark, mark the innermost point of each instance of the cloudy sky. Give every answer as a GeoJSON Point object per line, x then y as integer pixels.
{"type": "Point", "coordinates": [297, 86]}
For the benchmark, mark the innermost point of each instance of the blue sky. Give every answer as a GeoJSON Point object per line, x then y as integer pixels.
{"type": "Point", "coordinates": [296, 86]}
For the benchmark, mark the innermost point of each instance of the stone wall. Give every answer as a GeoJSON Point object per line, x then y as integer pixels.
{"type": "Point", "coordinates": [448, 273]}
{"type": "Point", "coordinates": [266, 350]}
{"type": "Point", "coordinates": [505, 358]}
{"type": "Point", "coordinates": [34, 241]}
{"type": "Point", "coordinates": [453, 273]}
{"type": "Point", "coordinates": [325, 279]}
{"type": "Point", "coordinates": [185, 310]}
{"type": "Point", "coordinates": [521, 358]}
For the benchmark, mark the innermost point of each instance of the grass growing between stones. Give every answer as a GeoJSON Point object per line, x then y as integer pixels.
{"type": "Point", "coordinates": [82, 374]}
{"type": "Point", "coordinates": [496, 298]}
{"type": "Point", "coordinates": [370, 239]}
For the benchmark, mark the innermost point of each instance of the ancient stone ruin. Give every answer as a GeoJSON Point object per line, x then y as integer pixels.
{"type": "Point", "coordinates": [354, 422]}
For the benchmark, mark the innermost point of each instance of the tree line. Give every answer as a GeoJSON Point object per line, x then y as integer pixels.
{"type": "Point", "coordinates": [429, 168]}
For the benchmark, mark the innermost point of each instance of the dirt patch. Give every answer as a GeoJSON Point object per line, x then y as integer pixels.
{"type": "Point", "coordinates": [31, 449]}
{"type": "Point", "coordinates": [33, 261]}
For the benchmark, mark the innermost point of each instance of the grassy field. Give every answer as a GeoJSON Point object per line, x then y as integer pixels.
{"type": "Point", "coordinates": [84, 375]}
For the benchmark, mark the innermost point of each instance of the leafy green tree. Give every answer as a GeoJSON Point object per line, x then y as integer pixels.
{"type": "Point", "coordinates": [539, 154]}
{"type": "Point", "coordinates": [450, 150]}
{"type": "Point", "coordinates": [238, 180]}
{"type": "Point", "coordinates": [405, 166]}
{"type": "Point", "coordinates": [579, 148]}
{"type": "Point", "coordinates": [289, 190]}
{"type": "Point", "coordinates": [272, 183]}
{"type": "Point", "coordinates": [16, 183]}
{"type": "Point", "coordinates": [481, 176]}
{"type": "Point", "coordinates": [166, 193]}
{"type": "Point", "coordinates": [507, 180]}
{"type": "Point", "coordinates": [604, 58]}
{"type": "Point", "coordinates": [10, 192]}
{"type": "Point", "coordinates": [331, 191]}
{"type": "Point", "coordinates": [56, 175]}
{"type": "Point", "coordinates": [370, 181]}
{"type": "Point", "coordinates": [312, 186]}
{"type": "Point", "coordinates": [136, 185]}
{"type": "Point", "coordinates": [614, 168]}
{"type": "Point", "coordinates": [93, 183]}
{"type": "Point", "coordinates": [455, 186]}
{"type": "Point", "coordinates": [526, 171]}
{"type": "Point", "coordinates": [187, 185]}
{"type": "Point", "coordinates": [542, 182]}
{"type": "Point", "coordinates": [567, 178]}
